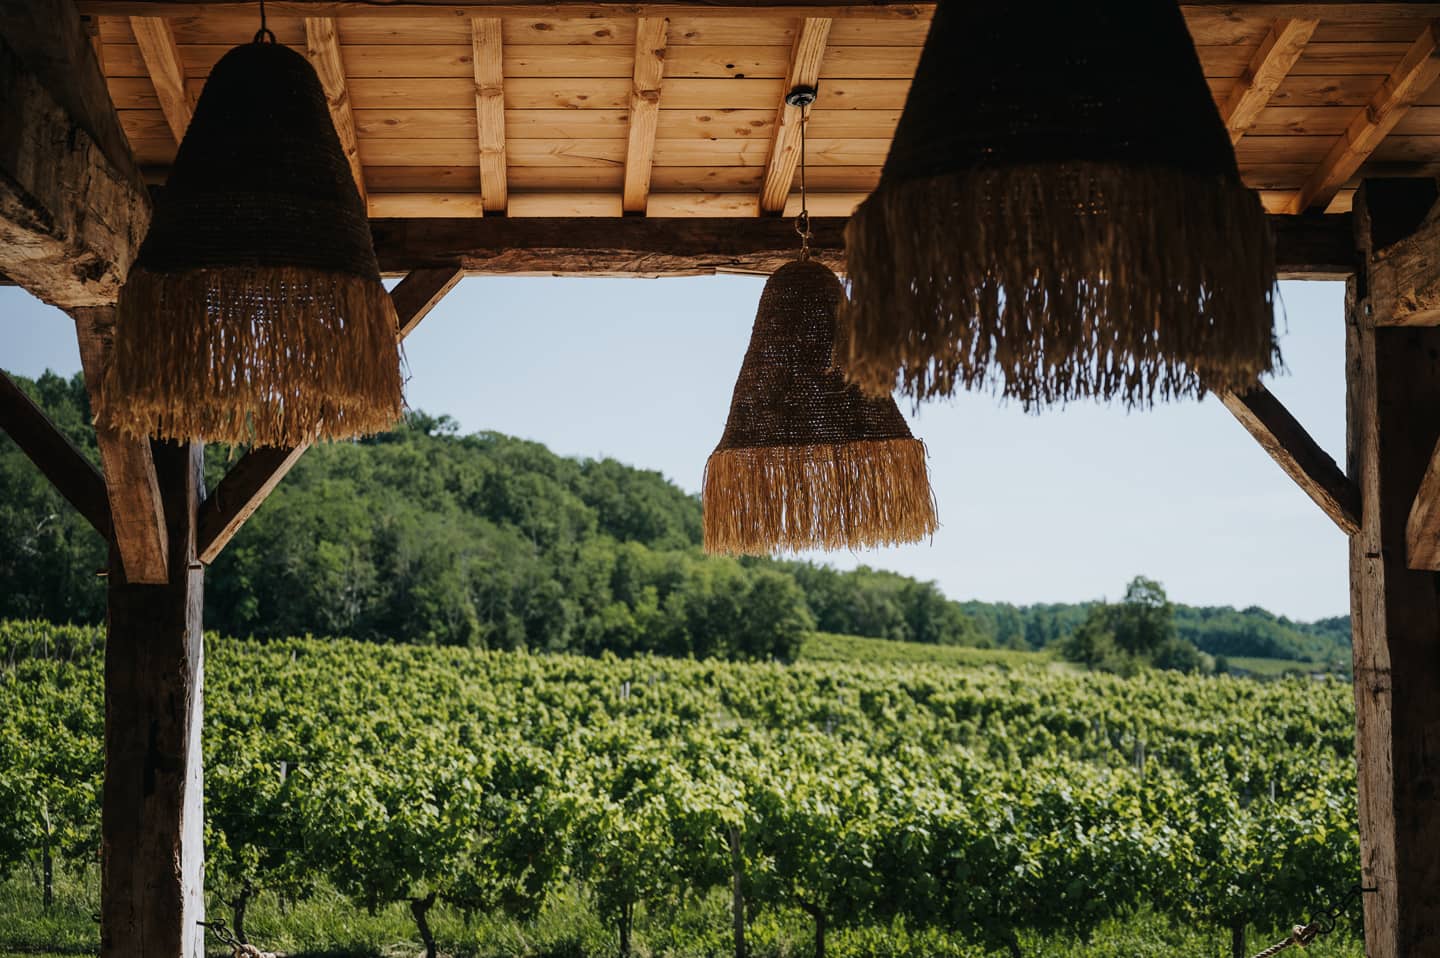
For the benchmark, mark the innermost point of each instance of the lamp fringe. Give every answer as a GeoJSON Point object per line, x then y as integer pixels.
{"type": "Point", "coordinates": [1050, 283]}
{"type": "Point", "coordinates": [761, 500]}
{"type": "Point", "coordinates": [271, 356]}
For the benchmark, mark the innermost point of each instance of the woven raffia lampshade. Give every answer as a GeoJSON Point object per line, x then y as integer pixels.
{"type": "Point", "coordinates": [254, 312]}
{"type": "Point", "coordinates": [1060, 216]}
{"type": "Point", "coordinates": [807, 460]}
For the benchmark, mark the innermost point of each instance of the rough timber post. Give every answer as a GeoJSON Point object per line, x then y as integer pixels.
{"type": "Point", "coordinates": [152, 814]}
{"type": "Point", "coordinates": [1393, 377]}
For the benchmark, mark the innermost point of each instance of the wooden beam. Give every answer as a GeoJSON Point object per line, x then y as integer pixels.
{"type": "Point", "coordinates": [1269, 66]}
{"type": "Point", "coordinates": [322, 46]}
{"type": "Point", "coordinates": [1319, 246]}
{"type": "Point", "coordinates": [152, 815]}
{"type": "Point", "coordinates": [487, 57]}
{"type": "Point", "coordinates": [805, 57]}
{"type": "Point", "coordinates": [1393, 377]}
{"type": "Point", "coordinates": [1287, 442]}
{"type": "Point", "coordinates": [1409, 81]}
{"type": "Point", "coordinates": [650, 36]}
{"type": "Point", "coordinates": [591, 246]}
{"type": "Point", "coordinates": [166, 69]}
{"type": "Point", "coordinates": [251, 480]}
{"type": "Point", "coordinates": [68, 470]}
{"type": "Point", "coordinates": [72, 205]}
{"type": "Point", "coordinates": [1341, 11]}
{"type": "Point", "coordinates": [136, 511]}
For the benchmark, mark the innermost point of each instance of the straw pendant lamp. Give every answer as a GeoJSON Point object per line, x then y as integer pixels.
{"type": "Point", "coordinates": [1060, 216]}
{"type": "Point", "coordinates": [254, 312]}
{"type": "Point", "coordinates": [806, 459]}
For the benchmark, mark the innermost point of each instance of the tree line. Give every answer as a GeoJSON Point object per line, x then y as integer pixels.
{"type": "Point", "coordinates": [428, 536]}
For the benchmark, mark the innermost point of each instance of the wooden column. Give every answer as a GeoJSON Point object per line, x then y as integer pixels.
{"type": "Point", "coordinates": [152, 824]}
{"type": "Point", "coordinates": [1393, 423]}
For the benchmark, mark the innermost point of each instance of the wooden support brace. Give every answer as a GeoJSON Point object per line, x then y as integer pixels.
{"type": "Point", "coordinates": [650, 36]}
{"type": "Point", "coordinates": [68, 470]}
{"type": "Point", "coordinates": [251, 480]}
{"type": "Point", "coordinates": [1287, 442]}
{"type": "Point", "coordinates": [136, 512]}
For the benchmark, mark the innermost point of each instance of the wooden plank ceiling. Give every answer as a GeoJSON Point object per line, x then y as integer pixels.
{"type": "Point", "coordinates": [531, 115]}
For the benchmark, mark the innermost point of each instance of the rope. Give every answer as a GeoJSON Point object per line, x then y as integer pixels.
{"type": "Point", "coordinates": [1302, 935]}
{"type": "Point", "coordinates": [1322, 924]}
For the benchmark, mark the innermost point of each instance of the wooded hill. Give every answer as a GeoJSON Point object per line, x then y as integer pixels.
{"type": "Point", "coordinates": [424, 535]}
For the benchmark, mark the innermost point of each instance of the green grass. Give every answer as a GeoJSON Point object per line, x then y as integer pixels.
{"type": "Point", "coordinates": [327, 925]}
{"type": "Point", "coordinates": [1274, 668]}
{"type": "Point", "coordinates": [829, 647]}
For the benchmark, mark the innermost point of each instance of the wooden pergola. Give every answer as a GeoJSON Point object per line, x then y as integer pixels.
{"type": "Point", "coordinates": [601, 137]}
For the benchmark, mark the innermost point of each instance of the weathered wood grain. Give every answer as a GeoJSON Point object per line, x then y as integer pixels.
{"type": "Point", "coordinates": [152, 813]}
{"type": "Point", "coordinates": [71, 214]}
{"type": "Point", "coordinates": [1394, 418]}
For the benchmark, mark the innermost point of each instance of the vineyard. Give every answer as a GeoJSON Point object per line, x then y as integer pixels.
{"type": "Point", "coordinates": [966, 810]}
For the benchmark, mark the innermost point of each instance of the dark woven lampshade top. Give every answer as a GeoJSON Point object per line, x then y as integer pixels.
{"type": "Point", "coordinates": [254, 313]}
{"type": "Point", "coordinates": [1003, 84]}
{"type": "Point", "coordinates": [787, 393]}
{"type": "Point", "coordinates": [807, 460]}
{"type": "Point", "coordinates": [260, 178]}
{"type": "Point", "coordinates": [1060, 216]}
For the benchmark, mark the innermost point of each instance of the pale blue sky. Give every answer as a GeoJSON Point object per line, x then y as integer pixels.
{"type": "Point", "coordinates": [1061, 506]}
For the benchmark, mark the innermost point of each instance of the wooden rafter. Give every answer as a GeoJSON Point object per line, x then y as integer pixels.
{"type": "Point", "coordinates": [136, 510]}
{"type": "Point", "coordinates": [167, 71]}
{"type": "Point", "coordinates": [1287, 442]}
{"type": "Point", "coordinates": [1278, 52]}
{"type": "Point", "coordinates": [69, 472]}
{"type": "Point", "coordinates": [322, 45]}
{"type": "Point", "coordinates": [805, 57]}
{"type": "Point", "coordinates": [251, 480]}
{"type": "Point", "coordinates": [650, 36]}
{"type": "Point", "coordinates": [489, 67]}
{"type": "Point", "coordinates": [1409, 80]}
{"type": "Point", "coordinates": [1390, 11]}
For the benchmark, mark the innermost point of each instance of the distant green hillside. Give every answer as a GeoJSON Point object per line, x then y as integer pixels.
{"type": "Point", "coordinates": [423, 535]}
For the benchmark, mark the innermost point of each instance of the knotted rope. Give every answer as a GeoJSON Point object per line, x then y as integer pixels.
{"type": "Point", "coordinates": [1323, 924]}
